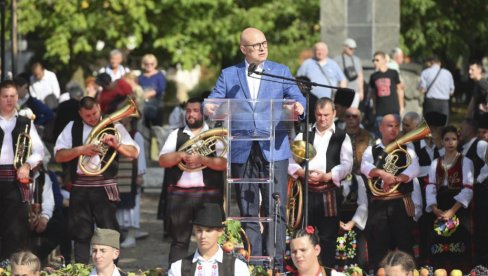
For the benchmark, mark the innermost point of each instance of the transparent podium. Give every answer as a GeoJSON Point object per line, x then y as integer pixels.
{"type": "Point", "coordinates": [248, 122]}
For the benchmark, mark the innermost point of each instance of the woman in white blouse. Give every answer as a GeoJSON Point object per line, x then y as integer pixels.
{"type": "Point", "coordinates": [448, 194]}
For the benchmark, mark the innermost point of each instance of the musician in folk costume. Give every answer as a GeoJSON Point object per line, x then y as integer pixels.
{"type": "Point", "coordinates": [476, 150]}
{"type": "Point", "coordinates": [15, 168]}
{"type": "Point", "coordinates": [95, 194]}
{"type": "Point", "coordinates": [332, 163]}
{"type": "Point", "coordinates": [185, 187]}
{"type": "Point", "coordinates": [390, 207]}
{"type": "Point", "coordinates": [448, 195]}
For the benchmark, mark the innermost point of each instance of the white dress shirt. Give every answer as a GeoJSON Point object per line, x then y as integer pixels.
{"type": "Point", "coordinates": [361, 215]}
{"type": "Point", "coordinates": [114, 273]}
{"type": "Point", "coordinates": [481, 149]}
{"type": "Point", "coordinates": [319, 162]}
{"type": "Point", "coordinates": [7, 153]}
{"type": "Point", "coordinates": [64, 140]}
{"type": "Point", "coordinates": [464, 196]}
{"type": "Point", "coordinates": [240, 268]}
{"type": "Point", "coordinates": [47, 196]}
{"type": "Point", "coordinates": [254, 80]}
{"type": "Point", "coordinates": [46, 86]}
{"type": "Point", "coordinates": [187, 179]}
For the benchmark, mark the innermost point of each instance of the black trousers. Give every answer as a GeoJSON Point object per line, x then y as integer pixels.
{"type": "Point", "coordinates": [183, 204]}
{"type": "Point", "coordinates": [14, 225]}
{"type": "Point", "coordinates": [56, 233]}
{"type": "Point", "coordinates": [328, 227]}
{"type": "Point", "coordinates": [389, 227]}
{"type": "Point", "coordinates": [89, 206]}
{"type": "Point", "coordinates": [481, 223]}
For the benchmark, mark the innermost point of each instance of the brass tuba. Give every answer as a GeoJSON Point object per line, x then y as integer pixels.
{"type": "Point", "coordinates": [96, 165]}
{"type": "Point", "coordinates": [24, 141]}
{"type": "Point", "coordinates": [203, 144]}
{"type": "Point", "coordinates": [392, 154]}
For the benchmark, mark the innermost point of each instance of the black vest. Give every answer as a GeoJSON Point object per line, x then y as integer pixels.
{"type": "Point", "coordinates": [472, 154]}
{"type": "Point", "coordinates": [19, 128]}
{"type": "Point", "coordinates": [403, 188]}
{"type": "Point", "coordinates": [333, 153]}
{"type": "Point", "coordinates": [226, 268]}
{"type": "Point", "coordinates": [77, 140]}
{"type": "Point", "coordinates": [211, 178]}
{"type": "Point", "coordinates": [423, 155]}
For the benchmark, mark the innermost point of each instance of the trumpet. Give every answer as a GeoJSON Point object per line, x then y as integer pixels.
{"type": "Point", "coordinates": [96, 165]}
{"type": "Point", "coordinates": [24, 141]}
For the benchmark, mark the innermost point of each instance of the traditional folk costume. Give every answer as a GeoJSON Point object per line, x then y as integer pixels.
{"type": "Point", "coordinates": [449, 183]}
{"type": "Point", "coordinates": [183, 193]}
{"type": "Point", "coordinates": [390, 217]}
{"type": "Point", "coordinates": [351, 245]}
{"type": "Point", "coordinates": [14, 197]}
{"type": "Point", "coordinates": [334, 154]}
{"type": "Point", "coordinates": [475, 149]}
{"type": "Point", "coordinates": [93, 199]}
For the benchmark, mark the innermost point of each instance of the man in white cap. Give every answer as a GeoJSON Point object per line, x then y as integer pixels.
{"type": "Point", "coordinates": [352, 68]}
{"type": "Point", "coordinates": [105, 250]}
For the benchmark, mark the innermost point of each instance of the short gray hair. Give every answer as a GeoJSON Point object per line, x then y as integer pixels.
{"type": "Point", "coordinates": [414, 116]}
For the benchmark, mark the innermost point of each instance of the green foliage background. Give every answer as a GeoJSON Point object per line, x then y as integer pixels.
{"type": "Point", "coordinates": [63, 34]}
{"type": "Point", "coordinates": [188, 32]}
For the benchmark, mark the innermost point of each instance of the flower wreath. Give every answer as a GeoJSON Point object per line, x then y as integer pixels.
{"type": "Point", "coordinates": [346, 246]}
{"type": "Point", "coordinates": [446, 228]}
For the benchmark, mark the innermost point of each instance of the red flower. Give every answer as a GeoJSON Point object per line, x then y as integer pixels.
{"type": "Point", "coordinates": [310, 230]}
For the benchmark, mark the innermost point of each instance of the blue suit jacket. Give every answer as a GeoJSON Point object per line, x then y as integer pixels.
{"type": "Point", "coordinates": [232, 84]}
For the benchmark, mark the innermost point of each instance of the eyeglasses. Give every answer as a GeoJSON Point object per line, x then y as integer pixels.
{"type": "Point", "coordinates": [149, 63]}
{"type": "Point", "coordinates": [375, 60]}
{"type": "Point", "coordinates": [258, 45]}
{"type": "Point", "coordinates": [354, 116]}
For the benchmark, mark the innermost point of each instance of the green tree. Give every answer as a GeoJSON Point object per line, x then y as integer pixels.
{"type": "Point", "coordinates": [188, 32]}
{"type": "Point", "coordinates": [450, 29]}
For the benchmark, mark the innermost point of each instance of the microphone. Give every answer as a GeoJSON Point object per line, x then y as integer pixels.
{"type": "Point", "coordinates": [251, 69]}
{"type": "Point", "coordinates": [276, 196]}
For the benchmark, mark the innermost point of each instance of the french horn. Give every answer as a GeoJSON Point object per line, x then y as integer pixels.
{"type": "Point", "coordinates": [96, 165]}
{"type": "Point", "coordinates": [392, 154]}
{"type": "Point", "coordinates": [204, 144]}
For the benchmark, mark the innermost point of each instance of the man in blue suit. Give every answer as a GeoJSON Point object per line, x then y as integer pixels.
{"type": "Point", "coordinates": [250, 159]}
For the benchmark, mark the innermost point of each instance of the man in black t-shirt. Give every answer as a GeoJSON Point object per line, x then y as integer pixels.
{"type": "Point", "coordinates": [478, 104]}
{"type": "Point", "coordinates": [386, 88]}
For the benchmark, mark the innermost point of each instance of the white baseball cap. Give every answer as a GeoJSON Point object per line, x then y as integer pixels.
{"type": "Point", "coordinates": [351, 43]}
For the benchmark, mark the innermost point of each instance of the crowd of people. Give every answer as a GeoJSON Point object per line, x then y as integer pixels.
{"type": "Point", "coordinates": [403, 185]}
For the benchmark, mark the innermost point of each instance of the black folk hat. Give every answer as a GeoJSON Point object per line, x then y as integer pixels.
{"type": "Point", "coordinates": [210, 215]}
{"type": "Point", "coordinates": [435, 119]}
{"type": "Point", "coordinates": [482, 121]}
{"type": "Point", "coordinates": [344, 97]}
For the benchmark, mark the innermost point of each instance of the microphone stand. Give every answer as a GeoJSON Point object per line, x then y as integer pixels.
{"type": "Point", "coordinates": [276, 215]}
{"type": "Point", "coordinates": [308, 85]}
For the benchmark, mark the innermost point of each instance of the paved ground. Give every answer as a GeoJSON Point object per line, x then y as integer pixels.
{"type": "Point", "coordinates": [153, 251]}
